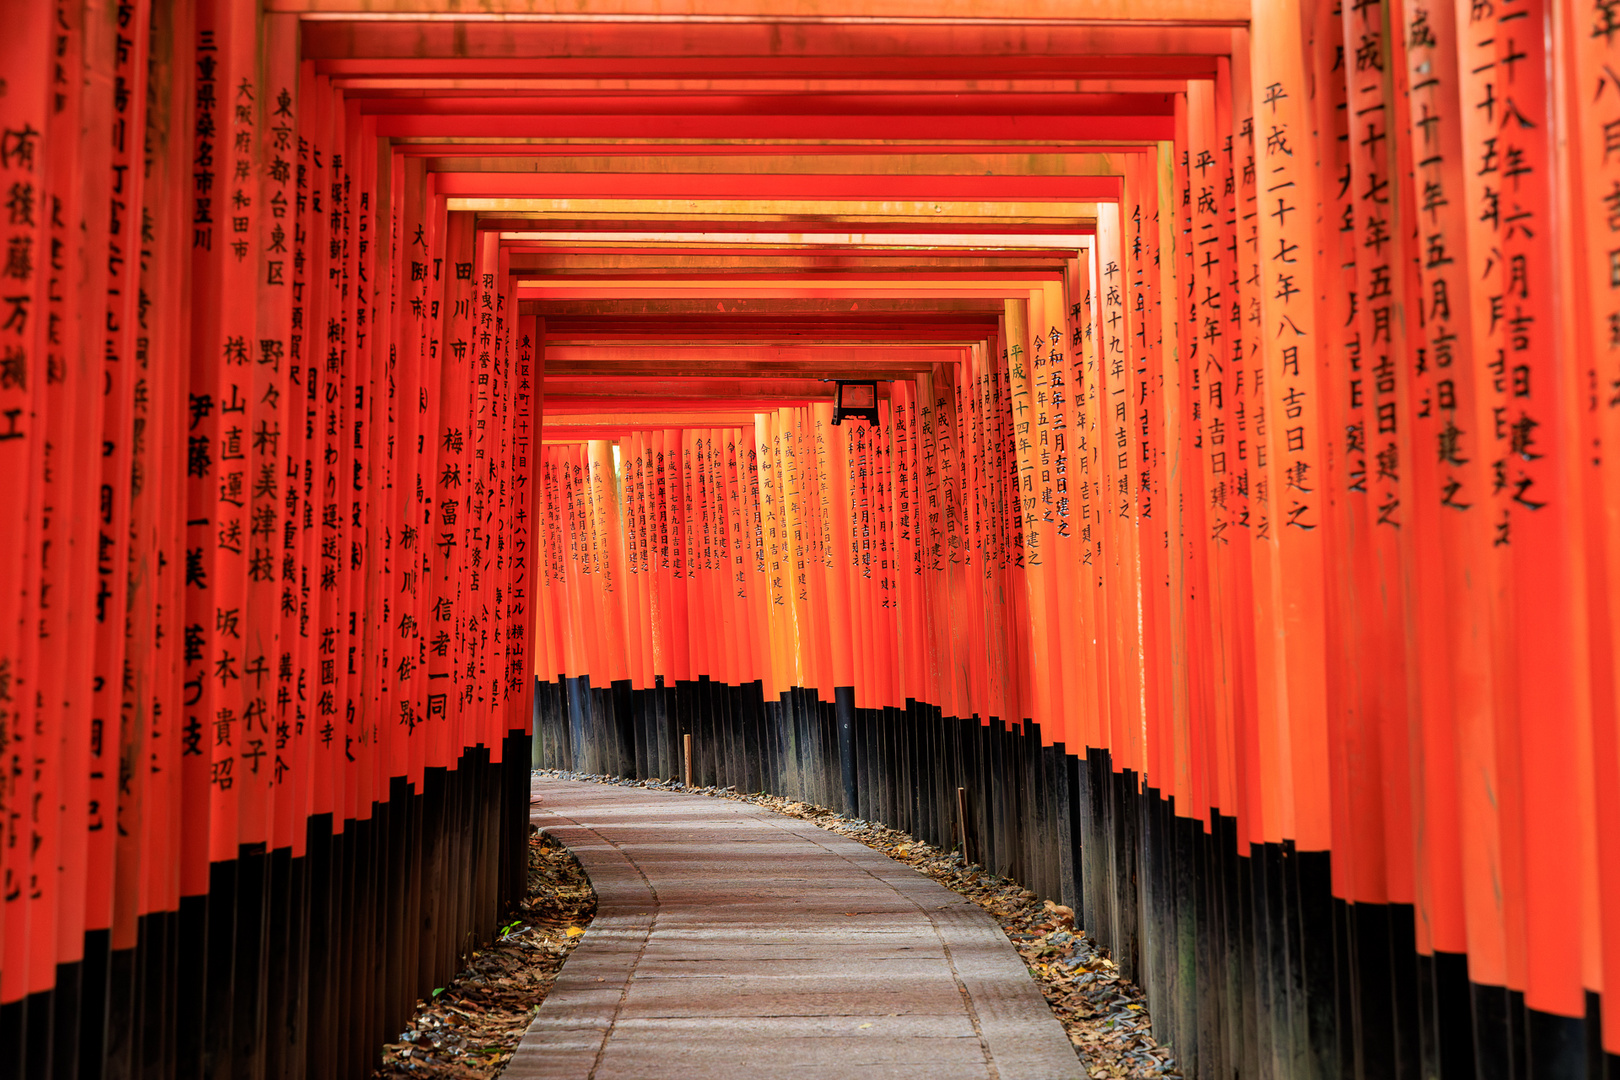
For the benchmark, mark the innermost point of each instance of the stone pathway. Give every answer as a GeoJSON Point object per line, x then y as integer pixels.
{"type": "Point", "coordinates": [733, 942]}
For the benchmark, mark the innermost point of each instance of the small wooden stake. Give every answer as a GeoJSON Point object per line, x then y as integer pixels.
{"type": "Point", "coordinates": [961, 811]}
{"type": "Point", "coordinates": [686, 753]}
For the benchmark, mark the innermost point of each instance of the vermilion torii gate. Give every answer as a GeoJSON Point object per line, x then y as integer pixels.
{"type": "Point", "coordinates": [1238, 530]}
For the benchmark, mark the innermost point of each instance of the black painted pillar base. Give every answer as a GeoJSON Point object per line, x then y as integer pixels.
{"type": "Point", "coordinates": [844, 714]}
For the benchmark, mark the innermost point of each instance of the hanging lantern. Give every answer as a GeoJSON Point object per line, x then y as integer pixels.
{"type": "Point", "coordinates": [855, 399]}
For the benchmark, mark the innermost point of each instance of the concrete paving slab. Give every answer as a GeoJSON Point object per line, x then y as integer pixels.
{"type": "Point", "coordinates": [807, 1027]}
{"type": "Point", "coordinates": [800, 968]}
{"type": "Point", "coordinates": [730, 938]}
{"type": "Point", "coordinates": [765, 1058]}
{"type": "Point", "coordinates": [681, 997]}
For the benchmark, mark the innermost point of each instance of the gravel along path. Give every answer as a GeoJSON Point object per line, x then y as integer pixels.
{"type": "Point", "coordinates": [468, 1029]}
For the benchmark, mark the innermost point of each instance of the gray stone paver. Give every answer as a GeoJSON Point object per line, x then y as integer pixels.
{"type": "Point", "coordinates": [732, 941]}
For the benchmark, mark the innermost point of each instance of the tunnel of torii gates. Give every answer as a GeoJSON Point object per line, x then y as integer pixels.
{"type": "Point", "coordinates": [1231, 557]}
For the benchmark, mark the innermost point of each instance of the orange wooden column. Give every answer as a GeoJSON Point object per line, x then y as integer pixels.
{"type": "Point", "coordinates": [939, 680]}
{"type": "Point", "coordinates": [743, 501]}
{"type": "Point", "coordinates": [1446, 485]}
{"type": "Point", "coordinates": [710, 628]}
{"type": "Point", "coordinates": [701, 616]}
{"type": "Point", "coordinates": [951, 450]}
{"type": "Point", "coordinates": [905, 565]}
{"type": "Point", "coordinates": [608, 544]}
{"type": "Point", "coordinates": [528, 412]}
{"type": "Point", "coordinates": [209, 592]}
{"type": "Point", "coordinates": [548, 595]}
{"type": "Point", "coordinates": [656, 561]}
{"type": "Point", "coordinates": [674, 489]}
{"type": "Point", "coordinates": [638, 603]}
{"type": "Point", "coordinates": [1254, 650]}
{"type": "Point", "coordinates": [1489, 759]}
{"type": "Point", "coordinates": [774, 556]}
{"type": "Point", "coordinates": [989, 540]}
{"type": "Point", "coordinates": [361, 462]}
{"type": "Point", "coordinates": [158, 511]}
{"type": "Point", "coordinates": [1211, 364]}
{"type": "Point", "coordinates": [1537, 445]}
{"type": "Point", "coordinates": [404, 708]}
{"type": "Point", "coordinates": [483, 437]}
{"type": "Point", "coordinates": [1056, 387]}
{"type": "Point", "coordinates": [581, 622]}
{"type": "Point", "coordinates": [1082, 472]}
{"type": "Point", "coordinates": [796, 473]}
{"type": "Point", "coordinates": [352, 198]}
{"type": "Point", "coordinates": [697, 611]}
{"type": "Point", "coordinates": [649, 559]}
{"type": "Point", "coordinates": [280, 547]}
{"type": "Point", "coordinates": [25, 901]}
{"type": "Point", "coordinates": [1594, 172]}
{"type": "Point", "coordinates": [723, 538]}
{"type": "Point", "coordinates": [1343, 482]}
{"type": "Point", "coordinates": [1119, 451]}
{"type": "Point", "coordinates": [325, 379]}
{"type": "Point", "coordinates": [1144, 394]}
{"type": "Point", "coordinates": [1024, 366]}
{"type": "Point", "coordinates": [990, 485]}
{"type": "Point", "coordinates": [854, 550]}
{"type": "Point", "coordinates": [888, 614]}
{"type": "Point", "coordinates": [1288, 433]}
{"type": "Point", "coordinates": [832, 483]}
{"type": "Point", "coordinates": [1187, 594]}
{"type": "Point", "coordinates": [1383, 226]}
{"type": "Point", "coordinates": [66, 585]}
{"type": "Point", "coordinates": [762, 610]}
{"type": "Point", "coordinates": [114, 729]}
{"type": "Point", "coordinates": [501, 495]}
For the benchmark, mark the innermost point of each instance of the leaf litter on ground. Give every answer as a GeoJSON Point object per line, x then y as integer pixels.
{"type": "Point", "coordinates": [468, 1029]}
{"type": "Point", "coordinates": [1105, 1015]}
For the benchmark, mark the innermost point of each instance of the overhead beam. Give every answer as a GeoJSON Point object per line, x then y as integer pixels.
{"type": "Point", "coordinates": [559, 356]}
{"type": "Point", "coordinates": [588, 407]}
{"type": "Point", "coordinates": [857, 159]}
{"type": "Point", "coordinates": [529, 256]}
{"type": "Point", "coordinates": [1156, 33]}
{"type": "Point", "coordinates": [710, 102]}
{"type": "Point", "coordinates": [782, 310]}
{"type": "Point", "coordinates": [561, 389]}
{"type": "Point", "coordinates": [785, 287]}
{"type": "Point", "coordinates": [610, 225]}
{"type": "Point", "coordinates": [470, 81]}
{"type": "Point", "coordinates": [844, 369]}
{"type": "Point", "coordinates": [676, 125]}
{"type": "Point", "coordinates": [827, 187]}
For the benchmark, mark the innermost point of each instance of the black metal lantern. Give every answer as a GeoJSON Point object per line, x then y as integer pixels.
{"type": "Point", "coordinates": [855, 399]}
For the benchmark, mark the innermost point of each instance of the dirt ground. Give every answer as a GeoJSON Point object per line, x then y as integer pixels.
{"type": "Point", "coordinates": [468, 1029]}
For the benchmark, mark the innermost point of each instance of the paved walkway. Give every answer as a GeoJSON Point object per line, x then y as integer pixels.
{"type": "Point", "coordinates": [737, 943]}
